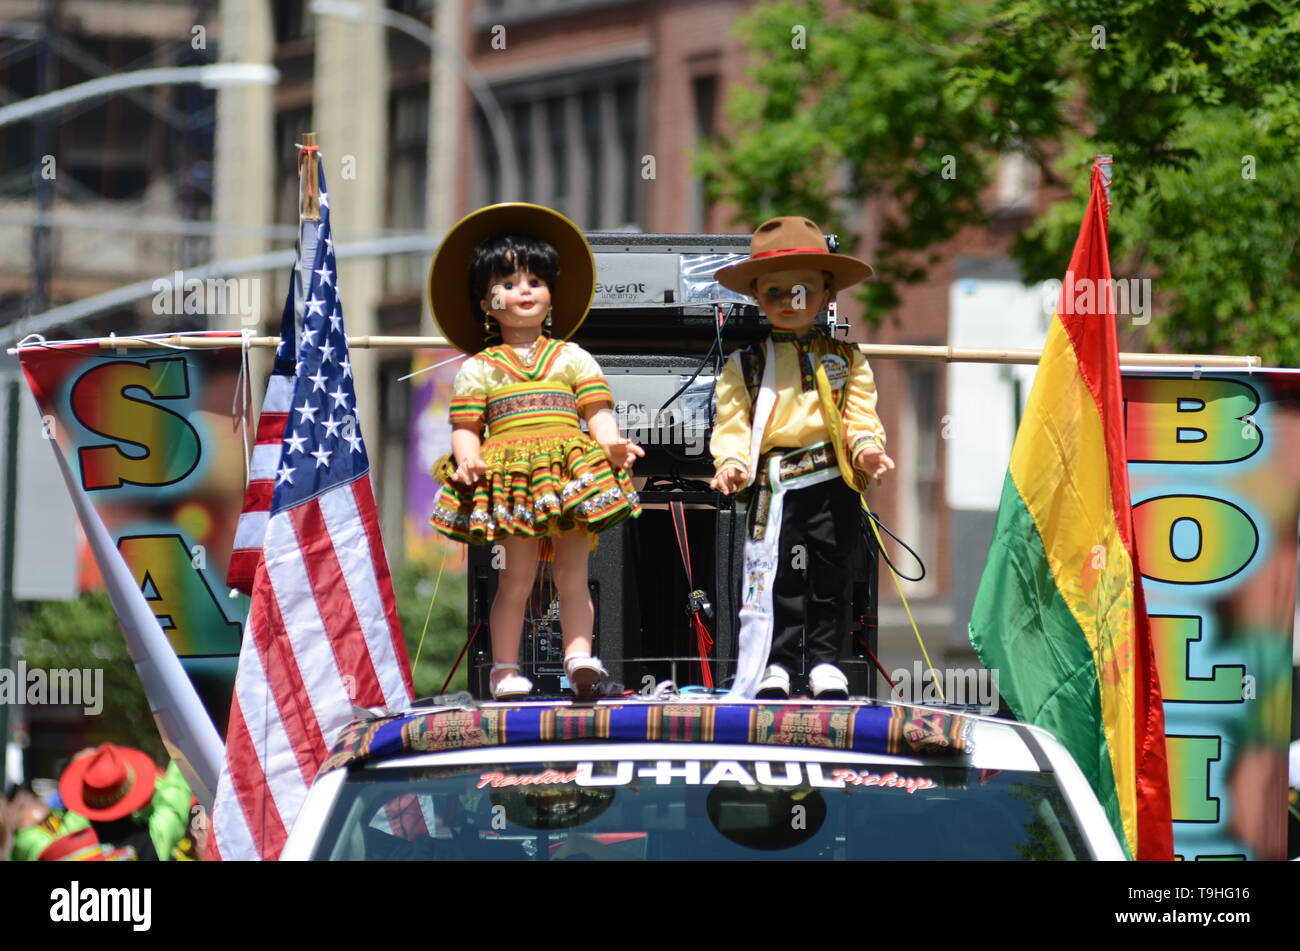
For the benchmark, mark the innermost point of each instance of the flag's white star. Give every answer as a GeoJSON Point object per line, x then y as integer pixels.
{"type": "Point", "coordinates": [324, 199]}
{"type": "Point", "coordinates": [285, 474]}
{"type": "Point", "coordinates": [326, 352]}
{"type": "Point", "coordinates": [308, 337]}
{"type": "Point", "coordinates": [354, 441]}
{"type": "Point", "coordinates": [296, 442]}
{"type": "Point", "coordinates": [329, 245]}
{"type": "Point", "coordinates": [322, 457]}
{"type": "Point", "coordinates": [336, 321]}
{"type": "Point", "coordinates": [326, 275]}
{"type": "Point", "coordinates": [317, 381]}
{"type": "Point", "coordinates": [331, 425]}
{"type": "Point", "coordinates": [297, 368]}
{"type": "Point", "coordinates": [346, 364]}
{"type": "Point", "coordinates": [315, 306]}
{"type": "Point", "coordinates": [339, 397]}
{"type": "Point", "coordinates": [307, 412]}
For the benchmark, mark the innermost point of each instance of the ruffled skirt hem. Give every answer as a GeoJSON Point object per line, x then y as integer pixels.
{"type": "Point", "coordinates": [539, 481]}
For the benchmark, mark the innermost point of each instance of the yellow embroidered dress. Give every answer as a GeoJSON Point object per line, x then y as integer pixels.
{"type": "Point", "coordinates": [544, 474]}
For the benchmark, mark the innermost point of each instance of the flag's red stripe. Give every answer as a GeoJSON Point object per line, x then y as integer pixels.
{"type": "Point", "coordinates": [243, 569]}
{"type": "Point", "coordinates": [1096, 348]}
{"type": "Point", "coordinates": [365, 501]}
{"type": "Point", "coordinates": [325, 574]}
{"type": "Point", "coordinates": [285, 679]}
{"type": "Point", "coordinates": [254, 794]}
{"type": "Point", "coordinates": [258, 496]}
{"type": "Point", "coordinates": [270, 427]}
{"type": "Point", "coordinates": [1154, 808]}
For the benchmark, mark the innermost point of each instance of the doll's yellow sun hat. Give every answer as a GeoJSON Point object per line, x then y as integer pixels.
{"type": "Point", "coordinates": [459, 320]}
{"type": "Point", "coordinates": [791, 243]}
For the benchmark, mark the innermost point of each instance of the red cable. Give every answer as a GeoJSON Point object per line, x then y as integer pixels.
{"type": "Point", "coordinates": [703, 640]}
{"type": "Point", "coordinates": [459, 656]}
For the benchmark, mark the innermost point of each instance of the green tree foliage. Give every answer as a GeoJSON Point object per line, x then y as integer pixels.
{"type": "Point", "coordinates": [913, 103]}
{"type": "Point", "coordinates": [414, 584]}
{"type": "Point", "coordinates": [84, 634]}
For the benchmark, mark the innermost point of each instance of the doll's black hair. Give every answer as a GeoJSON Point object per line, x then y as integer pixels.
{"type": "Point", "coordinates": [506, 253]}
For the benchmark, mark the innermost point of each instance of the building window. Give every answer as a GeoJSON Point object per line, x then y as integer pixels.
{"type": "Point", "coordinates": [408, 127]}
{"type": "Point", "coordinates": [292, 20]}
{"type": "Point", "coordinates": [578, 140]}
{"type": "Point", "coordinates": [705, 95]}
{"type": "Point", "coordinates": [1017, 183]}
{"type": "Point", "coordinates": [489, 12]}
{"type": "Point", "coordinates": [290, 126]}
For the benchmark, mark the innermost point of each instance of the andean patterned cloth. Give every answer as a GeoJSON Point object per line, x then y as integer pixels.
{"type": "Point", "coordinates": [866, 729]}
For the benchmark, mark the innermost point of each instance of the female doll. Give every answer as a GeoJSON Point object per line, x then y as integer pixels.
{"type": "Point", "coordinates": [537, 485]}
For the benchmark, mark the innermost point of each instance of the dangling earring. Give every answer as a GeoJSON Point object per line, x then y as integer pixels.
{"type": "Point", "coordinates": [548, 323]}
{"type": "Point", "coordinates": [487, 325]}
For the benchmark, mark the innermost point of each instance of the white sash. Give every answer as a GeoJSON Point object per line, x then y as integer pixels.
{"type": "Point", "coordinates": [761, 562]}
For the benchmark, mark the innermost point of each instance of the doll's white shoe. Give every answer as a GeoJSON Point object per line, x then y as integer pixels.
{"type": "Point", "coordinates": [512, 687]}
{"type": "Point", "coordinates": [775, 684]}
{"type": "Point", "coordinates": [584, 673]}
{"type": "Point", "coordinates": [828, 682]}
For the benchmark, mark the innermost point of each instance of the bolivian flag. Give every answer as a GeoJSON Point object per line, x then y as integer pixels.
{"type": "Point", "coordinates": [1060, 611]}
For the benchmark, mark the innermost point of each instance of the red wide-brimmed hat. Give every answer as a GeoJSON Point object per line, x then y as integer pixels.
{"type": "Point", "coordinates": [791, 243]}
{"type": "Point", "coordinates": [112, 782]}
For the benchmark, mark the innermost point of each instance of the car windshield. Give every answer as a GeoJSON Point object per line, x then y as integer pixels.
{"type": "Point", "coordinates": [698, 809]}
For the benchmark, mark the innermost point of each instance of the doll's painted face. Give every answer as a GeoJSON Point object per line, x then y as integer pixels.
{"type": "Point", "coordinates": [519, 301]}
{"type": "Point", "coordinates": [791, 300]}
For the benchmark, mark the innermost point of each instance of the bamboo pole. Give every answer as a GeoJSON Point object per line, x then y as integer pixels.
{"type": "Point", "coordinates": [872, 350]}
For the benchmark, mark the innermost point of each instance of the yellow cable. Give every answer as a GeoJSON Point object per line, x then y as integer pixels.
{"type": "Point", "coordinates": [420, 646]}
{"type": "Point", "coordinates": [880, 543]}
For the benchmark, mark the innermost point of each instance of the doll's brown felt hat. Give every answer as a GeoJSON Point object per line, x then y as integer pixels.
{"type": "Point", "coordinates": [459, 319]}
{"type": "Point", "coordinates": [790, 243]}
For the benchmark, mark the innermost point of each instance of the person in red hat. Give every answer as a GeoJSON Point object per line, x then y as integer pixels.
{"type": "Point", "coordinates": [130, 804]}
{"type": "Point", "coordinates": [796, 426]}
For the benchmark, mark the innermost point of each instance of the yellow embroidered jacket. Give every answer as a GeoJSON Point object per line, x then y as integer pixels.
{"type": "Point", "coordinates": [796, 419]}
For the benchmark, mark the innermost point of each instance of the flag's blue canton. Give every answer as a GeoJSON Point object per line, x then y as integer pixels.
{"type": "Point", "coordinates": [322, 438]}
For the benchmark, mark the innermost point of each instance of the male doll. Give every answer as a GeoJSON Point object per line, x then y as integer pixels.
{"type": "Point", "coordinates": [796, 425]}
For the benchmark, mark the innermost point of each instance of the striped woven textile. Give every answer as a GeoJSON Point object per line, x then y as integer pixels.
{"type": "Point", "coordinates": [865, 729]}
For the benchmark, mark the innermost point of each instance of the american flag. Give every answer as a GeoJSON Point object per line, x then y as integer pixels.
{"type": "Point", "coordinates": [322, 632]}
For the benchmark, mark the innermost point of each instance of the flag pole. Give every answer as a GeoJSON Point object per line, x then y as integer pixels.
{"type": "Point", "coordinates": [309, 156]}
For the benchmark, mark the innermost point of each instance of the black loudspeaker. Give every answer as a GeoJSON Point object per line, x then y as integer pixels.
{"type": "Point", "coordinates": [641, 601]}
{"type": "Point", "coordinates": [541, 654]}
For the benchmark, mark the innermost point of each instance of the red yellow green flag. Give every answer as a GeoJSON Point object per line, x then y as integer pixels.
{"type": "Point", "coordinates": [1059, 611]}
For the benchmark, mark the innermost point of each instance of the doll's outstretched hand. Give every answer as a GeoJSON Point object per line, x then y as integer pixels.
{"type": "Point", "coordinates": [622, 452]}
{"type": "Point", "coordinates": [469, 471]}
{"type": "Point", "coordinates": [873, 460]}
{"type": "Point", "coordinates": [730, 479]}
